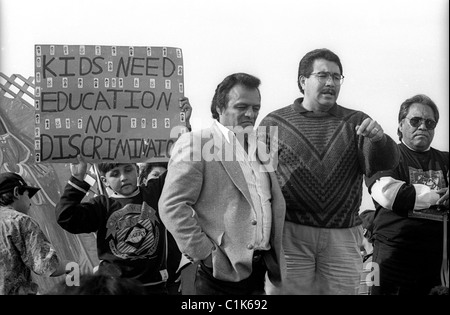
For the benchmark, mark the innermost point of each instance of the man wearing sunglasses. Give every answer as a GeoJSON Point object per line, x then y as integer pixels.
{"type": "Point", "coordinates": [409, 251]}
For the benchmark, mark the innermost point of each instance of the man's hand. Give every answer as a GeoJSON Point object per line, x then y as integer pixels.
{"type": "Point", "coordinates": [444, 197]}
{"type": "Point", "coordinates": [186, 108]}
{"type": "Point", "coordinates": [78, 170]}
{"type": "Point", "coordinates": [371, 129]}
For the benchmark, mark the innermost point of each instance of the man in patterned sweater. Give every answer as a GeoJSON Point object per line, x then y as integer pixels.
{"type": "Point", "coordinates": [324, 150]}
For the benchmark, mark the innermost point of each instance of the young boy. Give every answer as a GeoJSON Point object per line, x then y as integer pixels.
{"type": "Point", "coordinates": [23, 245]}
{"type": "Point", "coordinates": [132, 242]}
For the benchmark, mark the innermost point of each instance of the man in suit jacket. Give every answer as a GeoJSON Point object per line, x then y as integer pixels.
{"type": "Point", "coordinates": [223, 206]}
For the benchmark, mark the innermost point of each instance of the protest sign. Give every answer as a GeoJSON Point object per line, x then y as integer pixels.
{"type": "Point", "coordinates": [107, 103]}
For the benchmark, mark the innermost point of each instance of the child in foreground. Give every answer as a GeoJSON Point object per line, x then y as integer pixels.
{"type": "Point", "coordinates": [132, 242]}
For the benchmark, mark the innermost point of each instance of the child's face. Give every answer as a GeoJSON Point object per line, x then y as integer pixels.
{"type": "Point", "coordinates": [23, 202]}
{"type": "Point", "coordinates": [122, 179]}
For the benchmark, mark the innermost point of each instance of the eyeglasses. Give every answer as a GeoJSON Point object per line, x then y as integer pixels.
{"type": "Point", "coordinates": [322, 77]}
{"type": "Point", "coordinates": [418, 121]}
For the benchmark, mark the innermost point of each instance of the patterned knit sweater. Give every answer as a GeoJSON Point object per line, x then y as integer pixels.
{"type": "Point", "coordinates": [321, 163]}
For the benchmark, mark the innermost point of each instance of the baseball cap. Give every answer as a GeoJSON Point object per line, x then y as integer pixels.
{"type": "Point", "coordinates": [10, 180]}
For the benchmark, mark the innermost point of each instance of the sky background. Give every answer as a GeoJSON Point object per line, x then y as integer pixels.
{"type": "Point", "coordinates": [390, 49]}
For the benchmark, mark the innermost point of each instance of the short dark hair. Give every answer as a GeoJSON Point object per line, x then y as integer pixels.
{"type": "Point", "coordinates": [220, 99]}
{"type": "Point", "coordinates": [104, 168]}
{"type": "Point", "coordinates": [305, 67]}
{"type": "Point", "coordinates": [6, 198]}
{"type": "Point", "coordinates": [421, 99]}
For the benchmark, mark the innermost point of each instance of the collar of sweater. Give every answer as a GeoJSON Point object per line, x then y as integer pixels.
{"type": "Point", "coordinates": [298, 107]}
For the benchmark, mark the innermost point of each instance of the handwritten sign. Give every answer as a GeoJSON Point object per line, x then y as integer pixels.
{"type": "Point", "coordinates": [107, 103]}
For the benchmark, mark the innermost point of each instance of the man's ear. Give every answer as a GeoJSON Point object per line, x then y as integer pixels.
{"type": "Point", "coordinates": [104, 181]}
{"type": "Point", "coordinates": [219, 112]}
{"type": "Point", "coordinates": [16, 192]}
{"type": "Point", "coordinates": [302, 80]}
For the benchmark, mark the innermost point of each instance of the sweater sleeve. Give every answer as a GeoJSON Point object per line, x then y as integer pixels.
{"type": "Point", "coordinates": [75, 216]}
{"type": "Point", "coordinates": [380, 155]}
{"type": "Point", "coordinates": [397, 195]}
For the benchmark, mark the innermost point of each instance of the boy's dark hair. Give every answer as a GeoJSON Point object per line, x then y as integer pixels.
{"type": "Point", "coordinates": [104, 168]}
{"type": "Point", "coordinates": [8, 182]}
{"type": "Point", "coordinates": [305, 67]}
{"type": "Point", "coordinates": [7, 198]}
{"type": "Point", "coordinates": [220, 99]}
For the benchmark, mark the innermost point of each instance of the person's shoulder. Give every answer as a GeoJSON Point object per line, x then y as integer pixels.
{"type": "Point", "coordinates": [96, 203]}
{"type": "Point", "coordinates": [345, 109]}
{"type": "Point", "coordinates": [25, 222]}
{"type": "Point", "coordinates": [441, 152]}
{"type": "Point", "coordinates": [203, 134]}
{"type": "Point", "coordinates": [186, 139]}
{"type": "Point", "coordinates": [441, 155]}
{"type": "Point", "coordinates": [7, 210]}
{"type": "Point", "coordinates": [281, 110]}
{"type": "Point", "coordinates": [350, 113]}
{"type": "Point", "coordinates": [12, 214]}
{"type": "Point", "coordinates": [11, 217]}
{"type": "Point", "coordinates": [277, 113]}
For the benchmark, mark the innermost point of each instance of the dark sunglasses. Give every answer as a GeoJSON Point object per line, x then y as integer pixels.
{"type": "Point", "coordinates": [417, 121]}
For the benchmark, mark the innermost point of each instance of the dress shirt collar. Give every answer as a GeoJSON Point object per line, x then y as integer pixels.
{"type": "Point", "coordinates": [228, 134]}
{"type": "Point", "coordinates": [225, 131]}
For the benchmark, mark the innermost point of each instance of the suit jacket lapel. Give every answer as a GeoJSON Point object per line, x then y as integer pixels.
{"type": "Point", "coordinates": [232, 166]}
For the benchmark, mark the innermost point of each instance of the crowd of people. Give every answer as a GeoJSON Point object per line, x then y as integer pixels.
{"type": "Point", "coordinates": [224, 217]}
